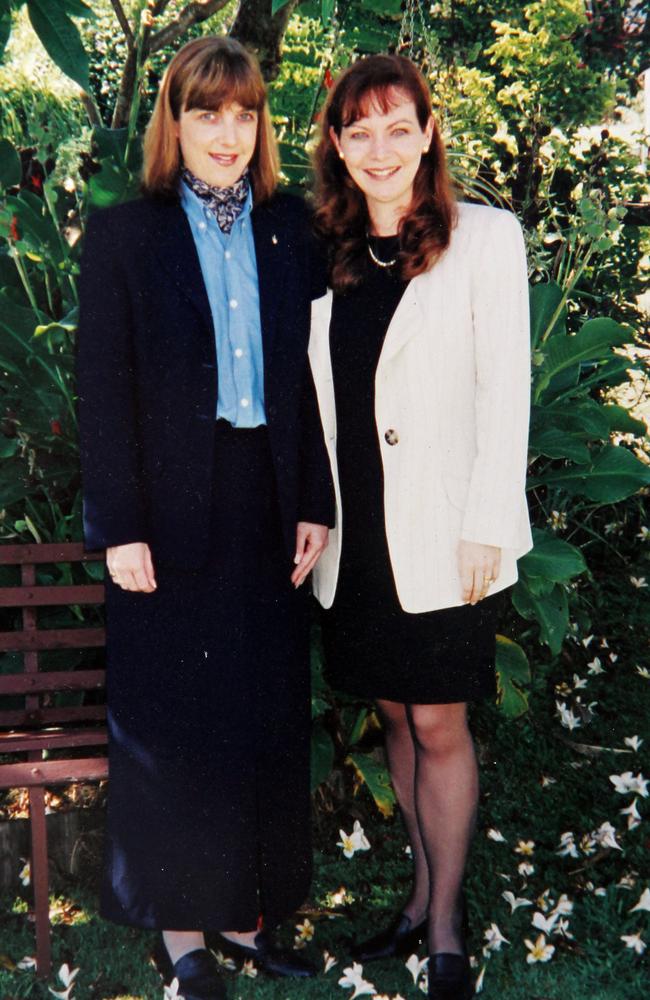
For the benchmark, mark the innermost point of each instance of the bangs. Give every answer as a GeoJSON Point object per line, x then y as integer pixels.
{"type": "Point", "coordinates": [362, 101]}
{"type": "Point", "coordinates": [220, 80]}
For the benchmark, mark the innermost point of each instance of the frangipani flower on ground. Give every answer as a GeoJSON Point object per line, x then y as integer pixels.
{"type": "Point", "coordinates": [25, 873]}
{"type": "Point", "coordinates": [248, 969]}
{"type": "Point", "coordinates": [643, 672]}
{"type": "Point", "coordinates": [644, 534]}
{"type": "Point", "coordinates": [416, 966]}
{"type": "Point", "coordinates": [628, 782]}
{"type": "Point", "coordinates": [26, 963]}
{"type": "Point", "coordinates": [579, 682]}
{"type": "Point", "coordinates": [329, 961]}
{"type": "Point", "coordinates": [496, 835]}
{"type": "Point", "coordinates": [605, 836]}
{"type": "Point", "coordinates": [478, 988]}
{"type": "Point", "coordinates": [225, 963]}
{"type": "Point", "coordinates": [587, 844]}
{"type": "Point", "coordinates": [567, 717]}
{"type": "Point", "coordinates": [525, 869]}
{"type": "Point", "coordinates": [305, 933]}
{"type": "Point", "coordinates": [639, 582]}
{"type": "Point", "coordinates": [634, 941]}
{"type": "Point", "coordinates": [564, 905]}
{"type": "Point", "coordinates": [525, 847]}
{"type": "Point", "coordinates": [644, 902]}
{"type": "Point", "coordinates": [355, 841]}
{"type": "Point", "coordinates": [633, 741]}
{"type": "Point", "coordinates": [541, 951]}
{"type": "Point", "coordinates": [544, 901]}
{"type": "Point", "coordinates": [515, 901]}
{"type": "Point", "coordinates": [587, 640]}
{"type": "Point", "coordinates": [493, 939]}
{"type": "Point", "coordinates": [171, 991]}
{"type": "Point", "coordinates": [67, 977]}
{"type": "Point", "coordinates": [545, 924]}
{"type": "Point", "coordinates": [633, 815]}
{"type": "Point", "coordinates": [353, 976]}
{"type": "Point", "coordinates": [562, 928]}
{"type": "Point", "coordinates": [546, 781]}
{"type": "Point", "coordinates": [595, 666]}
{"type": "Point", "coordinates": [567, 846]}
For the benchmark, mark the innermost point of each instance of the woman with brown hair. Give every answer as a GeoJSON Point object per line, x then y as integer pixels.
{"type": "Point", "coordinates": [420, 355]}
{"type": "Point", "coordinates": [206, 479]}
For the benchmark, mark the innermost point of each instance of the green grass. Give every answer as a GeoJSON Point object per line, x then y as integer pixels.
{"type": "Point", "coordinates": [592, 965]}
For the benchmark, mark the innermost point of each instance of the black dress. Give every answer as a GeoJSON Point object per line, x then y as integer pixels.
{"type": "Point", "coordinates": [373, 648]}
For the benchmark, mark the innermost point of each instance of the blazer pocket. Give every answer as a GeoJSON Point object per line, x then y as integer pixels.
{"type": "Point", "coordinates": [456, 488]}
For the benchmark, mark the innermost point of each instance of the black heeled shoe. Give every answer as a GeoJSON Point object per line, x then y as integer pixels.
{"type": "Point", "coordinates": [266, 955]}
{"type": "Point", "coordinates": [450, 977]}
{"type": "Point", "coordinates": [197, 973]}
{"type": "Point", "coordinates": [400, 938]}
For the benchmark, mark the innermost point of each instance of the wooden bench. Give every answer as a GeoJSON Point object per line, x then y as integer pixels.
{"type": "Point", "coordinates": [37, 733]}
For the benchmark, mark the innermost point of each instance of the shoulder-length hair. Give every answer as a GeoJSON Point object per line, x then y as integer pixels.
{"type": "Point", "coordinates": [207, 73]}
{"type": "Point", "coordinates": [341, 211]}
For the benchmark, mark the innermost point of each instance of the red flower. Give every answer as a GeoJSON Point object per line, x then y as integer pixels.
{"type": "Point", "coordinates": [329, 79]}
{"type": "Point", "coordinates": [55, 427]}
{"type": "Point", "coordinates": [36, 182]}
{"type": "Point", "coordinates": [13, 229]}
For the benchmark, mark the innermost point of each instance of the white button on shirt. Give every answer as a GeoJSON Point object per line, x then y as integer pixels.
{"type": "Point", "coordinates": [239, 353]}
{"type": "Point", "coordinates": [227, 255]}
{"type": "Point", "coordinates": [203, 226]}
{"type": "Point", "coordinates": [233, 303]}
{"type": "Point", "coordinates": [244, 402]}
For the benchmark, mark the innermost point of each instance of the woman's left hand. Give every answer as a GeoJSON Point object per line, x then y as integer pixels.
{"type": "Point", "coordinates": [479, 567]}
{"type": "Point", "coordinates": [311, 542]}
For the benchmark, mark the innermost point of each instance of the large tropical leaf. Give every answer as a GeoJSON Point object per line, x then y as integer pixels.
{"type": "Point", "coordinates": [552, 558]}
{"type": "Point", "coordinates": [593, 341]}
{"type": "Point", "coordinates": [377, 778]}
{"type": "Point", "coordinates": [10, 171]}
{"type": "Point", "coordinates": [614, 475]}
{"type": "Point", "coordinates": [545, 298]}
{"type": "Point", "coordinates": [513, 675]}
{"type": "Point", "coordinates": [556, 443]}
{"type": "Point", "coordinates": [551, 611]}
{"type": "Point", "coordinates": [61, 39]}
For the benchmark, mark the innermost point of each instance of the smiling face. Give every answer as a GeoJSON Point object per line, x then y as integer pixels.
{"type": "Point", "coordinates": [382, 152]}
{"type": "Point", "coordinates": [217, 146]}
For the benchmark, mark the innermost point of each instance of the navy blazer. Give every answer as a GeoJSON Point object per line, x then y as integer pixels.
{"type": "Point", "coordinates": [147, 377]}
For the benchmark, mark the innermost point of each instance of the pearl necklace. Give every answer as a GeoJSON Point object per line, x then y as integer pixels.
{"type": "Point", "coordinates": [375, 259]}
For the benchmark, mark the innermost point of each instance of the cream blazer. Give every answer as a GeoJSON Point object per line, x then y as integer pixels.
{"type": "Point", "coordinates": [452, 400]}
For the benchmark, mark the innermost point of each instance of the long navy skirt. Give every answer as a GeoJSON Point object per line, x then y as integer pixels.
{"type": "Point", "coordinates": [209, 715]}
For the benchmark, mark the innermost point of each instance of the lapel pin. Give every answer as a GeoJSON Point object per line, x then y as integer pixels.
{"type": "Point", "coordinates": [274, 240]}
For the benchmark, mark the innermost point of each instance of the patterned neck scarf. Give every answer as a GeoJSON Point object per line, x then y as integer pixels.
{"type": "Point", "coordinates": [226, 204]}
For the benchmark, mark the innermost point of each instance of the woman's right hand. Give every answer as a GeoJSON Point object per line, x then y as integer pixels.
{"type": "Point", "coordinates": [131, 568]}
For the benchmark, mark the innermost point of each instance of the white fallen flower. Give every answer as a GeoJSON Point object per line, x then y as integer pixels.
{"type": "Point", "coordinates": [25, 873]}
{"type": "Point", "coordinates": [353, 976]}
{"type": "Point", "coordinates": [643, 671]}
{"type": "Point", "coordinates": [355, 841]}
{"type": "Point", "coordinates": [644, 533]}
{"type": "Point", "coordinates": [567, 846]}
{"type": "Point", "coordinates": [562, 928]}
{"type": "Point", "coordinates": [579, 682]}
{"type": "Point", "coordinates": [613, 657]}
{"type": "Point", "coordinates": [329, 961]}
{"type": "Point", "coordinates": [644, 902]}
{"type": "Point", "coordinates": [545, 924]}
{"type": "Point", "coordinates": [564, 905]}
{"type": "Point", "coordinates": [546, 781]}
{"type": "Point", "coordinates": [496, 835]}
{"type": "Point", "coordinates": [587, 844]}
{"type": "Point", "coordinates": [248, 969]}
{"type": "Point", "coordinates": [541, 951]}
{"type": "Point", "coordinates": [544, 901]}
{"type": "Point", "coordinates": [633, 741]}
{"type": "Point", "coordinates": [587, 640]}
{"type": "Point", "coordinates": [639, 582]}
{"type": "Point", "coordinates": [628, 782]}
{"type": "Point", "coordinates": [493, 939]}
{"type": "Point", "coordinates": [633, 815]}
{"type": "Point", "coordinates": [634, 941]}
{"type": "Point", "coordinates": [595, 666]}
{"type": "Point", "coordinates": [225, 963]}
{"type": "Point", "coordinates": [171, 991]}
{"type": "Point", "coordinates": [525, 869]}
{"type": "Point", "coordinates": [416, 966]}
{"type": "Point", "coordinates": [305, 930]}
{"type": "Point", "coordinates": [478, 986]}
{"type": "Point", "coordinates": [605, 836]}
{"type": "Point", "coordinates": [525, 847]}
{"type": "Point", "coordinates": [26, 963]}
{"type": "Point", "coordinates": [515, 901]}
{"type": "Point", "coordinates": [67, 977]}
{"type": "Point", "coordinates": [568, 718]}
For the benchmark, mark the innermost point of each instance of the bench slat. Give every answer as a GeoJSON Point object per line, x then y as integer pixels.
{"type": "Point", "coordinates": [10, 719]}
{"type": "Point", "coordinates": [52, 740]}
{"type": "Point", "coordinates": [52, 680]}
{"type": "Point", "coordinates": [27, 597]}
{"type": "Point", "coordinates": [52, 638]}
{"type": "Point", "coordinates": [46, 552]}
{"type": "Point", "coordinates": [30, 774]}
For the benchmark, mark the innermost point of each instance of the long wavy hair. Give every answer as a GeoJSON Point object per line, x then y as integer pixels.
{"type": "Point", "coordinates": [207, 73]}
{"type": "Point", "coordinates": [341, 210]}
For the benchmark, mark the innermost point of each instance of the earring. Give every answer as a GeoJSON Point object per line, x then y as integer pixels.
{"type": "Point", "coordinates": [341, 154]}
{"type": "Point", "coordinates": [425, 149]}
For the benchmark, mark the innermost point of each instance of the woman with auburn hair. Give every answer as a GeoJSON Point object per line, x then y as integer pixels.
{"type": "Point", "coordinates": [206, 479]}
{"type": "Point", "coordinates": [420, 355]}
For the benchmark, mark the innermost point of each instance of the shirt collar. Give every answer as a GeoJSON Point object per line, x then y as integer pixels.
{"type": "Point", "coordinates": [196, 211]}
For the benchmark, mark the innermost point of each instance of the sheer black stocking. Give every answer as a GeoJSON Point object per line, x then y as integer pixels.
{"type": "Point", "coordinates": [435, 777]}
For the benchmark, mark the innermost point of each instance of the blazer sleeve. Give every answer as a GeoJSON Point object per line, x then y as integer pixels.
{"type": "Point", "coordinates": [113, 499]}
{"type": "Point", "coordinates": [501, 320]}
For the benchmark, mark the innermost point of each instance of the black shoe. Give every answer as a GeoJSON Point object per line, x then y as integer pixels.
{"type": "Point", "coordinates": [197, 973]}
{"type": "Point", "coordinates": [450, 977]}
{"type": "Point", "coordinates": [266, 956]}
{"type": "Point", "coordinates": [401, 938]}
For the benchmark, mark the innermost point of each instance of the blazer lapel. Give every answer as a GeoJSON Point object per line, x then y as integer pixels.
{"type": "Point", "coordinates": [174, 245]}
{"type": "Point", "coordinates": [407, 320]}
{"type": "Point", "coordinates": [269, 256]}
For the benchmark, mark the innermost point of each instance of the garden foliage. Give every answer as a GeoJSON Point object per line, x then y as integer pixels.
{"type": "Point", "coordinates": [516, 138]}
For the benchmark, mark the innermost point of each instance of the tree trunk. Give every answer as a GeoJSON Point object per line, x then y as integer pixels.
{"type": "Point", "coordinates": [259, 30]}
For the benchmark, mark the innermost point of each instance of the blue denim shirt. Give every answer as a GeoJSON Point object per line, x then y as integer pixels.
{"type": "Point", "coordinates": [229, 268]}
